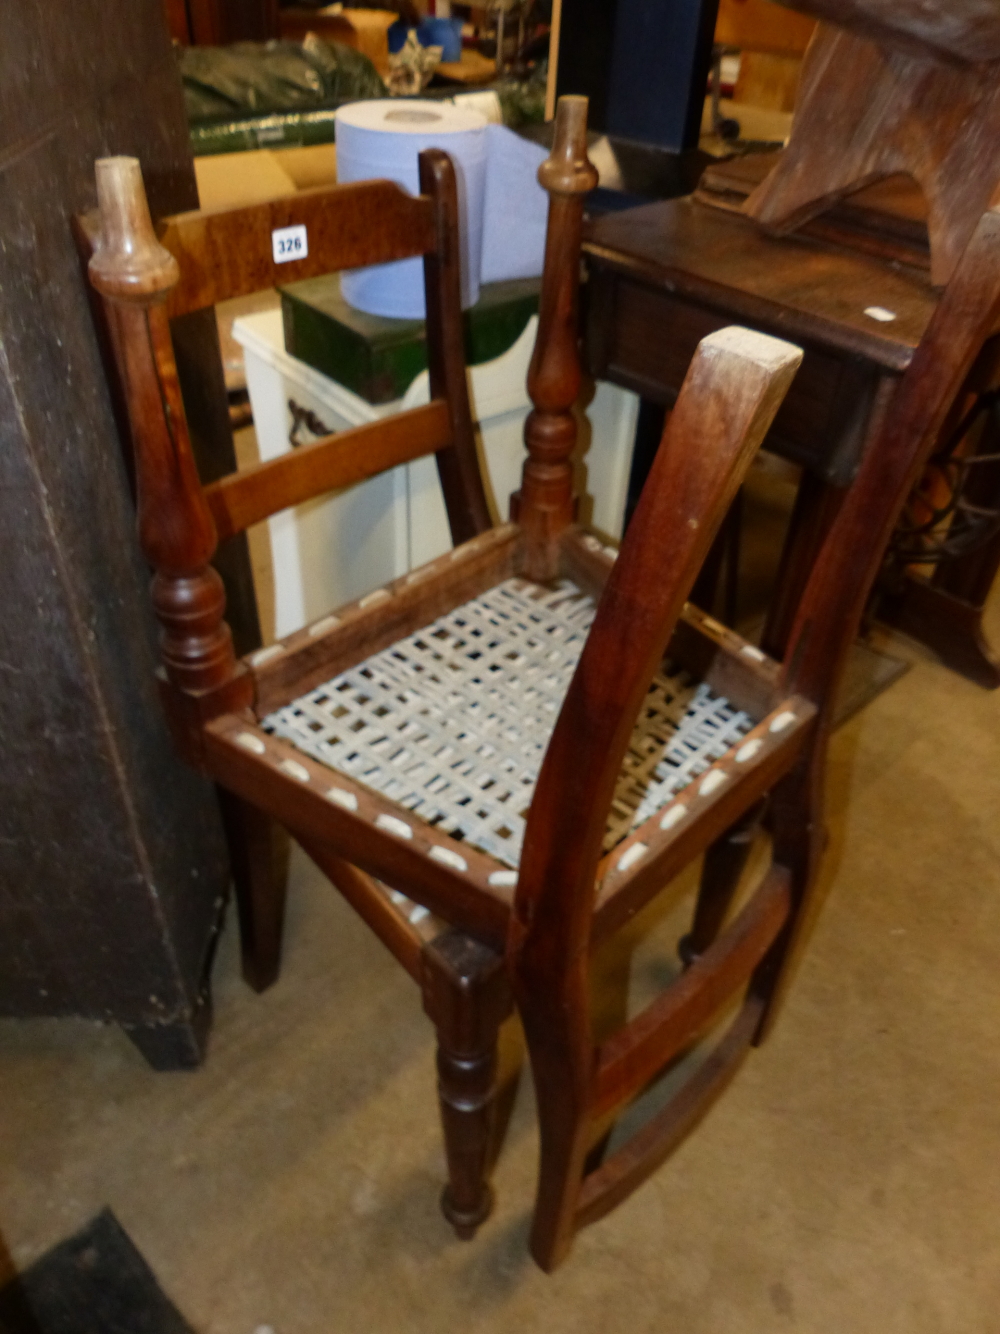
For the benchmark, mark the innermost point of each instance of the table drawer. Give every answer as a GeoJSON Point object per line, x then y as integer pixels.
{"type": "Point", "coordinates": [644, 338]}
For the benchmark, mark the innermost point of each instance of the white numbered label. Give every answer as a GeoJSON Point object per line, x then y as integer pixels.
{"type": "Point", "coordinates": [289, 243]}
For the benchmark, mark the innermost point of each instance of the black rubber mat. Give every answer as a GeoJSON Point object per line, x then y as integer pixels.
{"type": "Point", "coordinates": [94, 1283]}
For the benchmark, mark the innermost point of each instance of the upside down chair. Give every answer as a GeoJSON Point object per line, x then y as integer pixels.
{"type": "Point", "coordinates": [502, 756]}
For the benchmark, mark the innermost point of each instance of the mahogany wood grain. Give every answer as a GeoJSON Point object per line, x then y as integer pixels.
{"type": "Point", "coordinates": [965, 30]}
{"type": "Point", "coordinates": [845, 570]}
{"type": "Point", "coordinates": [791, 286]}
{"type": "Point", "coordinates": [467, 996]}
{"type": "Point", "coordinates": [722, 868]}
{"type": "Point", "coordinates": [728, 401]}
{"type": "Point", "coordinates": [841, 580]}
{"type": "Point", "coordinates": [458, 468]}
{"type": "Point", "coordinates": [133, 274]}
{"type": "Point", "coordinates": [815, 508]}
{"type": "Point", "coordinates": [877, 112]}
{"type": "Point", "coordinates": [544, 504]}
{"type": "Point", "coordinates": [245, 498]}
{"type": "Point", "coordinates": [621, 895]}
{"type": "Point", "coordinates": [463, 898]}
{"type": "Point", "coordinates": [226, 253]}
{"type": "Point", "coordinates": [315, 654]}
{"type": "Point", "coordinates": [725, 661]}
{"type": "Point", "coordinates": [615, 1180]}
{"type": "Point", "coordinates": [637, 1052]}
{"type": "Point", "coordinates": [401, 939]}
{"type": "Point", "coordinates": [887, 219]}
{"type": "Point", "coordinates": [709, 651]}
{"type": "Point", "coordinates": [568, 897]}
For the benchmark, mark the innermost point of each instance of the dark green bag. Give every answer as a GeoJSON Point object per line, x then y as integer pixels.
{"type": "Point", "coordinates": [253, 78]}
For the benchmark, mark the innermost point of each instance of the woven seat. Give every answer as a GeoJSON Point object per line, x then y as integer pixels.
{"type": "Point", "coordinates": [453, 721]}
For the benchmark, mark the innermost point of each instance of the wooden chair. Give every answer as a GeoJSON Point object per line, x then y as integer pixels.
{"type": "Point", "coordinates": [492, 758]}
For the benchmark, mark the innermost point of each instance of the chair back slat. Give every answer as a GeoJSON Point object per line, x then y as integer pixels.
{"type": "Point", "coordinates": [234, 252]}
{"type": "Point", "coordinates": [244, 498]}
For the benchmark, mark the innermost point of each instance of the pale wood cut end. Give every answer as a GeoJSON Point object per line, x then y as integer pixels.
{"type": "Point", "coordinates": [752, 371]}
{"type": "Point", "coordinates": [129, 264]}
{"type": "Point", "coordinates": [568, 170]}
{"type": "Point", "coordinates": [772, 355]}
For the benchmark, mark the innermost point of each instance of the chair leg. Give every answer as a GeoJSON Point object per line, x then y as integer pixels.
{"type": "Point", "coordinates": [467, 997]}
{"type": "Point", "coordinates": [724, 864]}
{"type": "Point", "coordinates": [258, 855]}
{"type": "Point", "coordinates": [799, 837]}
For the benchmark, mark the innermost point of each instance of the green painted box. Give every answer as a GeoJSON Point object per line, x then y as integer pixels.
{"type": "Point", "coordinates": [379, 358]}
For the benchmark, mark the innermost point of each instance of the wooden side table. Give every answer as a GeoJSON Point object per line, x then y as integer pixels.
{"type": "Point", "coordinates": [664, 275]}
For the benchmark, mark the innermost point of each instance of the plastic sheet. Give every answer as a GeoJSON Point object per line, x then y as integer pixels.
{"type": "Point", "coordinates": [222, 83]}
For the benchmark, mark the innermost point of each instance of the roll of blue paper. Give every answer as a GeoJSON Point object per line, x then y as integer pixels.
{"type": "Point", "coordinates": [381, 140]}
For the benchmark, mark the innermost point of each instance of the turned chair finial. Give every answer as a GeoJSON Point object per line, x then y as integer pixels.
{"type": "Point", "coordinates": [129, 263]}
{"type": "Point", "coordinates": [568, 170]}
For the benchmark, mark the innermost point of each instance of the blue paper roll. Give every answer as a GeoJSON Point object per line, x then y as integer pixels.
{"type": "Point", "coordinates": [382, 140]}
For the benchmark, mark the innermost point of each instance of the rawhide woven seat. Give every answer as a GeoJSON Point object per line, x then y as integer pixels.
{"type": "Point", "coordinates": [453, 722]}
{"type": "Point", "coordinates": [501, 757]}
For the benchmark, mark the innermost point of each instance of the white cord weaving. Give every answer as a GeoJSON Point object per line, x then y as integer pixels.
{"type": "Point", "coordinates": [453, 721]}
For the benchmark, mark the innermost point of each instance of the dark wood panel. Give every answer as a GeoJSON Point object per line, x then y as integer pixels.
{"type": "Point", "coordinates": [810, 293]}
{"type": "Point", "coordinates": [112, 866]}
{"type": "Point", "coordinates": [644, 337]}
{"type": "Point", "coordinates": [966, 29]}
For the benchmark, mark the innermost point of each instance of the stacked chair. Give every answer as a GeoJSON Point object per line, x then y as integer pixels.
{"type": "Point", "coordinates": [501, 757]}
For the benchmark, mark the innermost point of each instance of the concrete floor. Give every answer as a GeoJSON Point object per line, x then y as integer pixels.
{"type": "Point", "coordinates": [847, 1182]}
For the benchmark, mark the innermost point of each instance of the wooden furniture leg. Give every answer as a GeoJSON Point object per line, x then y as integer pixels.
{"type": "Point", "coordinates": [816, 506]}
{"type": "Point", "coordinates": [948, 625]}
{"type": "Point", "coordinates": [467, 996]}
{"type": "Point", "coordinates": [797, 823]}
{"type": "Point", "coordinates": [946, 611]}
{"type": "Point", "coordinates": [258, 857]}
{"type": "Point", "coordinates": [724, 864]}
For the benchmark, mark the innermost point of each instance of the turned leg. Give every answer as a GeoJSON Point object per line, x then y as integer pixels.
{"type": "Point", "coordinates": [724, 863]}
{"type": "Point", "coordinates": [258, 856]}
{"type": "Point", "coordinates": [467, 997]}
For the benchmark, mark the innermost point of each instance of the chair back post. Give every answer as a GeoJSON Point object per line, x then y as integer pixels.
{"type": "Point", "coordinates": [544, 505]}
{"type": "Point", "coordinates": [830, 610]}
{"type": "Point", "coordinates": [458, 467]}
{"type": "Point", "coordinates": [134, 275]}
{"type": "Point", "coordinates": [733, 388]}
{"type": "Point", "coordinates": [832, 604]}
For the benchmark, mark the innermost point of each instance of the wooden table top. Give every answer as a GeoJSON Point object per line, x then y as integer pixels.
{"type": "Point", "coordinates": [807, 291]}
